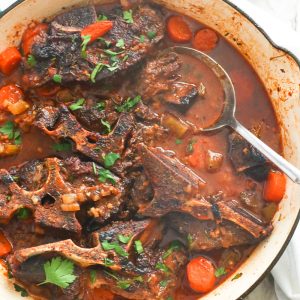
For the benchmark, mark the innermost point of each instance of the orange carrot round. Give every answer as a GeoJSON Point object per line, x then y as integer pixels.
{"type": "Point", "coordinates": [201, 274]}
{"type": "Point", "coordinates": [30, 36]}
{"type": "Point", "coordinates": [5, 246]}
{"type": "Point", "coordinates": [96, 30]}
{"type": "Point", "coordinates": [10, 94]}
{"type": "Point", "coordinates": [205, 40]}
{"type": "Point", "coordinates": [10, 59]}
{"type": "Point", "coordinates": [178, 30]}
{"type": "Point", "coordinates": [274, 188]}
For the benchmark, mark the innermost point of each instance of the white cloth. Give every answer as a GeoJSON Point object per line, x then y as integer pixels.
{"type": "Point", "coordinates": [287, 271]}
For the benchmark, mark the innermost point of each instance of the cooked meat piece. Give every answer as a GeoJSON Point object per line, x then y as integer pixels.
{"type": "Point", "coordinates": [55, 203]}
{"type": "Point", "coordinates": [177, 188]}
{"type": "Point", "coordinates": [91, 144]}
{"type": "Point", "coordinates": [61, 51]}
{"type": "Point", "coordinates": [245, 158]}
{"type": "Point", "coordinates": [160, 80]}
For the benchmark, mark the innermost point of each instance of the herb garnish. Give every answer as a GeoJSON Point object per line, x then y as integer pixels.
{"type": "Point", "coordinates": [142, 38]}
{"type": "Point", "coordinates": [128, 104]}
{"type": "Point", "coordinates": [220, 272]}
{"type": "Point", "coordinates": [105, 175]}
{"type": "Point", "coordinates": [189, 240]}
{"type": "Point", "coordinates": [127, 16]}
{"type": "Point", "coordinates": [106, 245]}
{"type": "Point", "coordinates": [31, 61]}
{"type": "Point", "coordinates": [77, 105]}
{"type": "Point", "coordinates": [175, 245]}
{"type": "Point", "coordinates": [124, 284]}
{"type": "Point", "coordinates": [106, 125]}
{"type": "Point", "coordinates": [102, 17]}
{"type": "Point", "coordinates": [93, 276]}
{"type": "Point", "coordinates": [57, 78]}
{"type": "Point", "coordinates": [178, 141]}
{"type": "Point", "coordinates": [110, 159]}
{"type": "Point", "coordinates": [106, 42]}
{"type": "Point", "coordinates": [23, 292]}
{"type": "Point", "coordinates": [120, 44]}
{"type": "Point", "coordinates": [95, 71]}
{"type": "Point", "coordinates": [138, 247]}
{"type": "Point", "coordinates": [108, 262]}
{"type": "Point", "coordinates": [11, 132]}
{"type": "Point", "coordinates": [86, 39]}
{"type": "Point", "coordinates": [100, 106]}
{"type": "Point", "coordinates": [237, 276]}
{"type": "Point", "coordinates": [162, 267]}
{"type": "Point", "coordinates": [112, 53]}
{"type": "Point", "coordinates": [151, 34]}
{"type": "Point", "coordinates": [163, 283]}
{"type": "Point", "coordinates": [23, 213]}
{"type": "Point", "coordinates": [62, 147]}
{"type": "Point", "coordinates": [59, 271]}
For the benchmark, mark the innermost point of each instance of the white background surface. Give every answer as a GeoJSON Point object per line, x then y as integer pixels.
{"type": "Point", "coordinates": [286, 273]}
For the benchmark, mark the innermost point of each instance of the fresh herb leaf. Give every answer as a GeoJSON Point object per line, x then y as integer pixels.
{"type": "Point", "coordinates": [107, 125]}
{"type": "Point", "coordinates": [128, 104]}
{"type": "Point", "coordinates": [178, 141]}
{"type": "Point", "coordinates": [120, 44]}
{"type": "Point", "coordinates": [93, 276]}
{"type": "Point", "coordinates": [77, 105]}
{"type": "Point", "coordinates": [102, 17]}
{"type": "Point", "coordinates": [23, 213]}
{"type": "Point", "coordinates": [120, 251]}
{"type": "Point", "coordinates": [59, 272]}
{"type": "Point", "coordinates": [112, 53]}
{"type": "Point", "coordinates": [142, 38]}
{"type": "Point", "coordinates": [62, 147]}
{"type": "Point", "coordinates": [110, 159]}
{"type": "Point", "coordinates": [95, 71]}
{"type": "Point", "coordinates": [237, 276]}
{"type": "Point", "coordinates": [106, 245]}
{"type": "Point", "coordinates": [189, 240]}
{"type": "Point", "coordinates": [23, 292]}
{"type": "Point", "coordinates": [124, 238]}
{"type": "Point", "coordinates": [123, 284]}
{"type": "Point", "coordinates": [151, 34]}
{"type": "Point", "coordinates": [163, 283]}
{"type": "Point", "coordinates": [113, 68]}
{"type": "Point", "coordinates": [220, 272]}
{"type": "Point", "coordinates": [106, 42]}
{"type": "Point", "coordinates": [162, 267]}
{"type": "Point", "coordinates": [106, 175]}
{"type": "Point", "coordinates": [100, 106]}
{"type": "Point", "coordinates": [11, 132]}
{"type": "Point", "coordinates": [169, 298]}
{"type": "Point", "coordinates": [138, 279]}
{"type": "Point", "coordinates": [95, 169]}
{"type": "Point", "coordinates": [138, 247]}
{"type": "Point", "coordinates": [175, 245]}
{"type": "Point", "coordinates": [31, 61]}
{"type": "Point", "coordinates": [108, 262]}
{"type": "Point", "coordinates": [127, 16]}
{"type": "Point", "coordinates": [86, 39]}
{"type": "Point", "coordinates": [111, 275]}
{"type": "Point", "coordinates": [125, 57]}
{"type": "Point", "coordinates": [190, 146]}
{"type": "Point", "coordinates": [57, 78]}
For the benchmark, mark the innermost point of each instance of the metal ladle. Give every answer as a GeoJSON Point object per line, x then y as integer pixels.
{"type": "Point", "coordinates": [227, 118]}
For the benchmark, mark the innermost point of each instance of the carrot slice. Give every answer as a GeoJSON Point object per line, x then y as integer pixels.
{"type": "Point", "coordinates": [178, 30]}
{"type": "Point", "coordinates": [205, 40]}
{"type": "Point", "coordinates": [10, 94]}
{"type": "Point", "coordinates": [30, 35]}
{"type": "Point", "coordinates": [96, 30]}
{"type": "Point", "coordinates": [196, 159]}
{"type": "Point", "coordinates": [274, 188]}
{"type": "Point", "coordinates": [201, 274]}
{"type": "Point", "coordinates": [10, 59]}
{"type": "Point", "coordinates": [5, 246]}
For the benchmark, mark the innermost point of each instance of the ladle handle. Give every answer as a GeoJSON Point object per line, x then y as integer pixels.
{"type": "Point", "coordinates": [291, 171]}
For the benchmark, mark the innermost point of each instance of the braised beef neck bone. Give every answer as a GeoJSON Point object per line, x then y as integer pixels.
{"type": "Point", "coordinates": [160, 80]}
{"type": "Point", "coordinates": [47, 202]}
{"type": "Point", "coordinates": [60, 52]}
{"type": "Point", "coordinates": [59, 123]}
{"type": "Point", "coordinates": [177, 188]}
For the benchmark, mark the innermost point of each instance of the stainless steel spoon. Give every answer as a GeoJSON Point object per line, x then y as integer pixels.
{"type": "Point", "coordinates": [227, 117]}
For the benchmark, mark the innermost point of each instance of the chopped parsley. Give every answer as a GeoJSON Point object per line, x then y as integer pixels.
{"type": "Point", "coordinates": [31, 61]}
{"type": "Point", "coordinates": [77, 105]}
{"type": "Point", "coordinates": [178, 141]}
{"type": "Point", "coordinates": [237, 276]}
{"type": "Point", "coordinates": [138, 247]}
{"type": "Point", "coordinates": [151, 34]}
{"type": "Point", "coordinates": [163, 283]}
{"type": "Point", "coordinates": [9, 129]}
{"type": "Point", "coordinates": [124, 284]}
{"type": "Point", "coordinates": [105, 175]}
{"type": "Point", "coordinates": [93, 276]}
{"type": "Point", "coordinates": [62, 147]}
{"type": "Point", "coordinates": [106, 42]}
{"type": "Point", "coordinates": [106, 125]}
{"type": "Point", "coordinates": [110, 159]}
{"type": "Point", "coordinates": [100, 106]}
{"type": "Point", "coordinates": [124, 238]}
{"type": "Point", "coordinates": [125, 57]}
{"type": "Point", "coordinates": [189, 240]}
{"type": "Point", "coordinates": [95, 71]}
{"type": "Point", "coordinates": [108, 262]}
{"type": "Point", "coordinates": [162, 267]}
{"type": "Point", "coordinates": [112, 53]}
{"type": "Point", "coordinates": [106, 245]}
{"type": "Point", "coordinates": [21, 290]}
{"type": "Point", "coordinates": [59, 272]}
{"type": "Point", "coordinates": [85, 40]}
{"type": "Point", "coordinates": [220, 272]}
{"type": "Point", "coordinates": [142, 38]}
{"type": "Point", "coordinates": [23, 213]}
{"type": "Point", "coordinates": [128, 104]}
{"type": "Point", "coordinates": [120, 44]}
{"type": "Point", "coordinates": [127, 16]}
{"type": "Point", "coordinates": [57, 78]}
{"type": "Point", "coordinates": [175, 245]}
{"type": "Point", "coordinates": [102, 17]}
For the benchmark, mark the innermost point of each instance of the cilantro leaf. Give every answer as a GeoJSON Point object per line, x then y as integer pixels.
{"type": "Point", "coordinates": [95, 71]}
{"type": "Point", "coordinates": [138, 247]}
{"type": "Point", "coordinates": [59, 272]}
{"type": "Point", "coordinates": [77, 105]}
{"type": "Point", "coordinates": [102, 17]}
{"type": "Point", "coordinates": [108, 262]}
{"type": "Point", "coordinates": [120, 44]}
{"type": "Point", "coordinates": [110, 159]}
{"type": "Point", "coordinates": [220, 272]}
{"type": "Point", "coordinates": [120, 251]}
{"type": "Point", "coordinates": [175, 245]}
{"type": "Point", "coordinates": [127, 16]}
{"type": "Point", "coordinates": [114, 246]}
{"type": "Point", "coordinates": [162, 267]}
{"type": "Point", "coordinates": [20, 289]}
{"type": "Point", "coordinates": [57, 78]}
{"type": "Point", "coordinates": [104, 41]}
{"type": "Point", "coordinates": [100, 106]}
{"type": "Point", "coordinates": [31, 61]}
{"type": "Point", "coordinates": [8, 129]}
{"type": "Point", "coordinates": [124, 238]}
{"type": "Point", "coordinates": [107, 125]}
{"type": "Point", "coordinates": [163, 283]}
{"type": "Point", "coordinates": [85, 40]}
{"type": "Point", "coordinates": [237, 276]}
{"type": "Point", "coordinates": [128, 104]}
{"type": "Point", "coordinates": [105, 175]}
{"type": "Point", "coordinates": [142, 38]}
{"type": "Point", "coordinates": [62, 147]}
{"type": "Point", "coordinates": [151, 35]}
{"type": "Point", "coordinates": [112, 53]}
{"type": "Point", "coordinates": [93, 276]}
{"type": "Point", "coordinates": [23, 213]}
{"type": "Point", "coordinates": [178, 141]}
{"type": "Point", "coordinates": [189, 240]}
{"type": "Point", "coordinates": [123, 284]}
